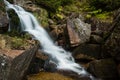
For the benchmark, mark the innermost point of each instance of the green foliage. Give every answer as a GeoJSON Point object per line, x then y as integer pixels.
{"type": "Point", "coordinates": [103, 16]}
{"type": "Point", "coordinates": [20, 42]}
{"type": "Point", "coordinates": [53, 5]}
{"type": "Point", "coordinates": [42, 17]}
{"type": "Point", "coordinates": [105, 5]}
{"type": "Point", "coordinates": [17, 43]}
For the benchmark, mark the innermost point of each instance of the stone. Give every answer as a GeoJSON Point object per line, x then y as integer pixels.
{"type": "Point", "coordinates": [50, 65]}
{"type": "Point", "coordinates": [54, 34]}
{"type": "Point", "coordinates": [99, 25]}
{"type": "Point", "coordinates": [93, 51]}
{"type": "Point", "coordinates": [78, 32]}
{"type": "Point", "coordinates": [72, 38]}
{"type": "Point", "coordinates": [74, 75]}
{"type": "Point", "coordinates": [105, 69]}
{"type": "Point", "coordinates": [14, 65]}
{"type": "Point", "coordinates": [37, 64]}
{"type": "Point", "coordinates": [3, 24]}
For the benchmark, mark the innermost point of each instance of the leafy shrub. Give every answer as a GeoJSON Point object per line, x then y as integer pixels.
{"type": "Point", "coordinates": [105, 5]}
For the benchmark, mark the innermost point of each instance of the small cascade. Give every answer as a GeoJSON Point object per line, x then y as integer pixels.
{"type": "Point", "coordinates": [63, 59]}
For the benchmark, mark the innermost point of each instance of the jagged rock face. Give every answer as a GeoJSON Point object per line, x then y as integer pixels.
{"type": "Point", "coordinates": [15, 68]}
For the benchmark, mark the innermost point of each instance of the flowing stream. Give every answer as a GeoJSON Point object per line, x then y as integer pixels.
{"type": "Point", "coordinates": [58, 55]}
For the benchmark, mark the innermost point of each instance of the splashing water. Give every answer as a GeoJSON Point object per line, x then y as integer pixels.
{"type": "Point", "coordinates": [62, 58]}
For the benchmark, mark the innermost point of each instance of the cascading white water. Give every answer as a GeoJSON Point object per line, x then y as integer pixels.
{"type": "Point", "coordinates": [58, 55]}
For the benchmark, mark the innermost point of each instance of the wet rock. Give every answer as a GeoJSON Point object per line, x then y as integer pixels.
{"type": "Point", "coordinates": [3, 24]}
{"type": "Point", "coordinates": [11, 1]}
{"type": "Point", "coordinates": [45, 62]}
{"type": "Point", "coordinates": [57, 34]}
{"type": "Point", "coordinates": [37, 64]}
{"type": "Point", "coordinates": [41, 55]}
{"type": "Point", "coordinates": [50, 65]}
{"type": "Point", "coordinates": [14, 67]}
{"type": "Point", "coordinates": [91, 50]}
{"type": "Point", "coordinates": [105, 69]}
{"type": "Point", "coordinates": [74, 75]}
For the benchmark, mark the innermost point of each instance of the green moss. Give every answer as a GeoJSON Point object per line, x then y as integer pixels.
{"type": "Point", "coordinates": [42, 17]}
{"type": "Point", "coordinates": [103, 16]}
{"type": "Point", "coordinates": [13, 40]}
{"type": "Point", "coordinates": [88, 16]}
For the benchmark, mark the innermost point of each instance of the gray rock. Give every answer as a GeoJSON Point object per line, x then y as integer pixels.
{"type": "Point", "coordinates": [50, 65]}
{"type": "Point", "coordinates": [78, 31]}
{"type": "Point", "coordinates": [83, 30]}
{"type": "Point", "coordinates": [3, 24]}
{"type": "Point", "coordinates": [15, 68]}
{"type": "Point", "coordinates": [72, 37]}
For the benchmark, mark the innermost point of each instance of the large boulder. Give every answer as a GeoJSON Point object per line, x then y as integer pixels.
{"type": "Point", "coordinates": [77, 32]}
{"type": "Point", "coordinates": [91, 50]}
{"type": "Point", "coordinates": [105, 69]}
{"type": "Point", "coordinates": [14, 64]}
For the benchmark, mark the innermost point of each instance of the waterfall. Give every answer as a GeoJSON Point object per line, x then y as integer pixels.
{"type": "Point", "coordinates": [63, 59]}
